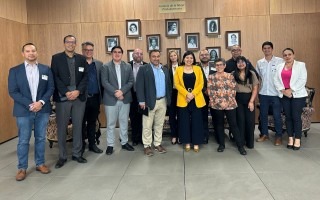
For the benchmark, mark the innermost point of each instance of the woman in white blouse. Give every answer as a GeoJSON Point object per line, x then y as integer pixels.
{"type": "Point", "coordinates": [290, 81]}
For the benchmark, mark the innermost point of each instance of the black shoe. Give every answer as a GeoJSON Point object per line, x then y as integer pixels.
{"type": "Point", "coordinates": [109, 150]}
{"type": "Point", "coordinates": [127, 147]}
{"type": "Point", "coordinates": [295, 148]}
{"type": "Point", "coordinates": [95, 149]}
{"type": "Point", "coordinates": [205, 141]}
{"type": "Point", "coordinates": [220, 148]}
{"type": "Point", "coordinates": [289, 146]}
{"type": "Point", "coordinates": [83, 148]}
{"type": "Point", "coordinates": [79, 159]}
{"type": "Point", "coordinates": [60, 163]}
{"type": "Point", "coordinates": [135, 143]}
{"type": "Point", "coordinates": [242, 151]}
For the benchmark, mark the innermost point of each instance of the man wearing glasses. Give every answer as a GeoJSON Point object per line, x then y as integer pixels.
{"type": "Point", "coordinates": [70, 75]}
{"type": "Point", "coordinates": [92, 109]}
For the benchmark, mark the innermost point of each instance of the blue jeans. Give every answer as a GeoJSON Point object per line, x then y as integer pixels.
{"type": "Point", "coordinates": [39, 122]}
{"type": "Point", "coordinates": [265, 102]}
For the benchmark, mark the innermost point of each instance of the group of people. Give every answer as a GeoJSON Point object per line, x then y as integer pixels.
{"type": "Point", "coordinates": [145, 92]}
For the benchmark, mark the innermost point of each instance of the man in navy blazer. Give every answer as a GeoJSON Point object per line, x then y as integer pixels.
{"type": "Point", "coordinates": [70, 75]}
{"type": "Point", "coordinates": [31, 85]}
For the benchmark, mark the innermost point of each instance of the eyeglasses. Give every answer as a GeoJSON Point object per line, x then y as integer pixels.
{"type": "Point", "coordinates": [87, 50]}
{"type": "Point", "coordinates": [219, 65]}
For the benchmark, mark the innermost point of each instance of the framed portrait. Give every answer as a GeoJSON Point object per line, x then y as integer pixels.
{"type": "Point", "coordinates": [133, 27]}
{"type": "Point", "coordinates": [130, 55]}
{"type": "Point", "coordinates": [178, 50]}
{"type": "Point", "coordinates": [215, 53]}
{"type": "Point", "coordinates": [172, 27]}
{"type": "Point", "coordinates": [212, 26]}
{"type": "Point", "coordinates": [233, 38]}
{"type": "Point", "coordinates": [192, 41]}
{"type": "Point", "coordinates": [153, 42]}
{"type": "Point", "coordinates": [112, 41]}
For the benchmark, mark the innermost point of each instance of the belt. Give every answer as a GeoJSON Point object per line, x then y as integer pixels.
{"type": "Point", "coordinates": [160, 98]}
{"type": "Point", "coordinates": [92, 95]}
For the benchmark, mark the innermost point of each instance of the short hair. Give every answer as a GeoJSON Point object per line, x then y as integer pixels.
{"type": "Point", "coordinates": [220, 60]}
{"type": "Point", "coordinates": [289, 49]}
{"type": "Point", "coordinates": [27, 44]}
{"type": "Point", "coordinates": [233, 35]}
{"type": "Point", "coordinates": [133, 25]}
{"type": "Point", "coordinates": [117, 47]}
{"type": "Point", "coordinates": [154, 50]}
{"type": "Point", "coordinates": [86, 44]}
{"type": "Point", "coordinates": [187, 53]}
{"type": "Point", "coordinates": [267, 43]}
{"type": "Point", "coordinates": [64, 39]}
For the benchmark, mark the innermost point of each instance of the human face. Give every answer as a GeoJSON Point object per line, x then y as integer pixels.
{"type": "Point", "coordinates": [173, 57]}
{"type": "Point", "coordinates": [220, 67]}
{"type": "Point", "coordinates": [174, 26]}
{"type": "Point", "coordinates": [241, 65]}
{"type": "Point", "coordinates": [133, 28]}
{"type": "Point", "coordinates": [87, 51]}
{"type": "Point", "coordinates": [267, 50]}
{"type": "Point", "coordinates": [204, 56]}
{"type": "Point", "coordinates": [137, 55]}
{"type": "Point", "coordinates": [153, 42]}
{"type": "Point", "coordinates": [116, 55]}
{"type": "Point", "coordinates": [235, 51]}
{"type": "Point", "coordinates": [188, 60]}
{"type": "Point", "coordinates": [155, 58]}
{"type": "Point", "coordinates": [70, 44]}
{"type": "Point", "coordinates": [288, 56]}
{"type": "Point", "coordinates": [30, 53]}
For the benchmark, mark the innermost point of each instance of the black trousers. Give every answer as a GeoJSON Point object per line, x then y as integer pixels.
{"type": "Point", "coordinates": [205, 113]}
{"type": "Point", "coordinates": [293, 108]}
{"type": "Point", "coordinates": [90, 117]}
{"type": "Point", "coordinates": [245, 119]}
{"type": "Point", "coordinates": [173, 114]}
{"type": "Point", "coordinates": [190, 124]}
{"type": "Point", "coordinates": [136, 120]}
{"type": "Point", "coordinates": [219, 125]}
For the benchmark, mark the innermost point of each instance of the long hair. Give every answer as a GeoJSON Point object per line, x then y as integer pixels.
{"type": "Point", "coordinates": [186, 54]}
{"type": "Point", "coordinates": [169, 61]}
{"type": "Point", "coordinates": [248, 75]}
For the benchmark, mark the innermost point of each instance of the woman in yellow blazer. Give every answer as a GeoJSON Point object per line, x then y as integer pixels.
{"type": "Point", "coordinates": [189, 82]}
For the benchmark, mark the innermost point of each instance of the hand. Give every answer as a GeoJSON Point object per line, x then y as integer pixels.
{"type": "Point", "coordinates": [118, 93]}
{"type": "Point", "coordinates": [190, 96]}
{"type": "Point", "coordinates": [120, 98]}
{"type": "Point", "coordinates": [287, 93]}
{"type": "Point", "coordinates": [143, 106]}
{"type": "Point", "coordinates": [35, 106]}
{"type": "Point", "coordinates": [251, 106]}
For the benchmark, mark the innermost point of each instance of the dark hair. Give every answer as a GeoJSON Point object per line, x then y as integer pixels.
{"type": "Point", "coordinates": [117, 47]}
{"type": "Point", "coordinates": [87, 43]}
{"type": "Point", "coordinates": [64, 39]}
{"type": "Point", "coordinates": [214, 26]}
{"type": "Point", "coordinates": [220, 60]}
{"type": "Point", "coordinates": [267, 43]}
{"type": "Point", "coordinates": [185, 55]}
{"type": "Point", "coordinates": [289, 49]}
{"type": "Point", "coordinates": [27, 44]}
{"type": "Point", "coordinates": [248, 74]}
{"type": "Point", "coordinates": [133, 25]}
{"type": "Point", "coordinates": [154, 50]}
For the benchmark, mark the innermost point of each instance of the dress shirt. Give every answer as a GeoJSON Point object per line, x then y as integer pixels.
{"type": "Point", "coordinates": [206, 70]}
{"type": "Point", "coordinates": [72, 69]}
{"type": "Point", "coordinates": [136, 67]}
{"type": "Point", "coordinates": [118, 71]}
{"type": "Point", "coordinates": [160, 80]}
{"type": "Point", "coordinates": [93, 87]}
{"type": "Point", "coordinates": [267, 70]}
{"type": "Point", "coordinates": [32, 73]}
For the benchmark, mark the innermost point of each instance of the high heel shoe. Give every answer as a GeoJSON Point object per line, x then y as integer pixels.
{"type": "Point", "coordinates": [174, 141]}
{"type": "Point", "coordinates": [289, 146]}
{"type": "Point", "coordinates": [187, 148]}
{"type": "Point", "coordinates": [196, 149]}
{"type": "Point", "coordinates": [295, 148]}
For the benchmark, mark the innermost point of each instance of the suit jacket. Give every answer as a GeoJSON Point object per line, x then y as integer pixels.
{"type": "Point", "coordinates": [109, 82]}
{"type": "Point", "coordinates": [197, 90]}
{"type": "Point", "coordinates": [19, 89]}
{"type": "Point", "coordinates": [231, 65]}
{"type": "Point", "coordinates": [131, 63]}
{"type": "Point", "coordinates": [297, 82]}
{"type": "Point", "coordinates": [99, 64]}
{"type": "Point", "coordinates": [146, 86]}
{"type": "Point", "coordinates": [61, 75]}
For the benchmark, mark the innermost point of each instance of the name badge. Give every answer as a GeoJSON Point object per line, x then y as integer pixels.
{"type": "Point", "coordinates": [81, 69]}
{"type": "Point", "coordinates": [44, 77]}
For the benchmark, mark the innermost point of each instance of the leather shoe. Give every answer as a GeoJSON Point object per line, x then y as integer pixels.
{"type": "Point", "coordinates": [205, 141]}
{"type": "Point", "coordinates": [289, 146]}
{"type": "Point", "coordinates": [135, 143]}
{"type": "Point", "coordinates": [220, 148]}
{"type": "Point", "coordinates": [295, 148]}
{"type": "Point", "coordinates": [127, 147]}
{"type": "Point", "coordinates": [79, 159]}
{"type": "Point", "coordinates": [43, 169]}
{"type": "Point", "coordinates": [21, 175]}
{"type": "Point", "coordinates": [242, 151]}
{"type": "Point", "coordinates": [60, 163]}
{"type": "Point", "coordinates": [263, 138]}
{"type": "Point", "coordinates": [95, 149]}
{"type": "Point", "coordinates": [278, 141]}
{"type": "Point", "coordinates": [109, 150]}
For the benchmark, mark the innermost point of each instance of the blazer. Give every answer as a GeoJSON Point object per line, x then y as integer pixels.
{"type": "Point", "coordinates": [146, 86]}
{"type": "Point", "coordinates": [19, 89]}
{"type": "Point", "coordinates": [297, 82]}
{"type": "Point", "coordinates": [99, 64]}
{"type": "Point", "coordinates": [109, 82]}
{"type": "Point", "coordinates": [170, 73]}
{"type": "Point", "coordinates": [182, 91]}
{"type": "Point", "coordinates": [131, 63]}
{"type": "Point", "coordinates": [61, 75]}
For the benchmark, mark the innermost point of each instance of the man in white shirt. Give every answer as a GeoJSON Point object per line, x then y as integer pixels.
{"type": "Point", "coordinates": [268, 95]}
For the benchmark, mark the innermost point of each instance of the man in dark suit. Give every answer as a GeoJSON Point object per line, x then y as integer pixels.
{"type": "Point", "coordinates": [70, 72]}
{"type": "Point", "coordinates": [135, 116]}
{"type": "Point", "coordinates": [31, 85]}
{"type": "Point", "coordinates": [154, 94]}
{"type": "Point", "coordinates": [117, 81]}
{"type": "Point", "coordinates": [92, 109]}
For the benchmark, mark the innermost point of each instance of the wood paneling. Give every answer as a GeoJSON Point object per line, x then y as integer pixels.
{"type": "Point", "coordinates": [15, 10]}
{"type": "Point", "coordinates": [294, 6]}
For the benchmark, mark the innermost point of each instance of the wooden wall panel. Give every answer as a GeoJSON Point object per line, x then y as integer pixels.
{"type": "Point", "coordinates": [15, 10]}
{"type": "Point", "coordinates": [38, 12]}
{"type": "Point", "coordinates": [294, 6]}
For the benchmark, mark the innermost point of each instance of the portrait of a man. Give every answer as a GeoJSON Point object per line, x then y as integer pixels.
{"type": "Point", "coordinates": [192, 41]}
{"type": "Point", "coordinates": [111, 41]}
{"type": "Point", "coordinates": [133, 28]}
{"type": "Point", "coordinates": [154, 44]}
{"type": "Point", "coordinates": [172, 27]}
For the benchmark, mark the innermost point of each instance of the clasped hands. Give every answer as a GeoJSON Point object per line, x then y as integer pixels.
{"type": "Point", "coordinates": [189, 97]}
{"type": "Point", "coordinates": [118, 94]}
{"type": "Point", "coordinates": [72, 95]}
{"type": "Point", "coordinates": [287, 93]}
{"type": "Point", "coordinates": [35, 106]}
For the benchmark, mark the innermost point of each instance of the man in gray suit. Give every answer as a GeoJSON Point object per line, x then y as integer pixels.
{"type": "Point", "coordinates": [153, 88]}
{"type": "Point", "coordinates": [93, 98]}
{"type": "Point", "coordinates": [117, 81]}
